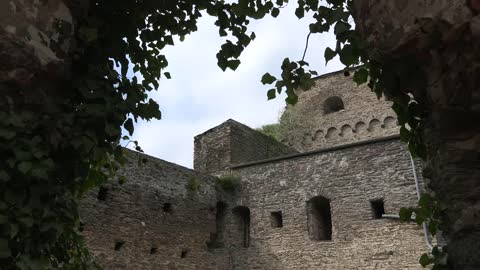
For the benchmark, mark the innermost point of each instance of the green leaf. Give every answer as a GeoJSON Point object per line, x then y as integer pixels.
{"type": "Point", "coordinates": [300, 11]}
{"type": "Point", "coordinates": [167, 74]}
{"type": "Point", "coordinates": [168, 40]}
{"type": "Point", "coordinates": [341, 27]}
{"type": "Point", "coordinates": [425, 260]}
{"type": "Point", "coordinates": [329, 54]}
{"type": "Point", "coordinates": [268, 79]}
{"type": "Point", "coordinates": [233, 64]}
{"type": "Point", "coordinates": [275, 12]}
{"type": "Point", "coordinates": [360, 76]}
{"type": "Point", "coordinates": [24, 167]}
{"type": "Point", "coordinates": [271, 94]}
{"type": "Point", "coordinates": [128, 125]}
{"type": "Point", "coordinates": [348, 56]}
{"type": "Point", "coordinates": [406, 214]}
{"type": "Point", "coordinates": [122, 179]}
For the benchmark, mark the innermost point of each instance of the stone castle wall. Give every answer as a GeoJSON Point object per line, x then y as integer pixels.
{"type": "Point", "coordinates": [162, 221]}
{"type": "Point", "coordinates": [318, 121]}
{"type": "Point", "coordinates": [316, 208]}
{"type": "Point", "coordinates": [233, 143]}
{"type": "Point", "coordinates": [350, 178]}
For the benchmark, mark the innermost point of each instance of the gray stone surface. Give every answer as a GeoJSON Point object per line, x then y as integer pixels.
{"type": "Point", "coordinates": [206, 227]}
{"type": "Point", "coordinates": [363, 117]}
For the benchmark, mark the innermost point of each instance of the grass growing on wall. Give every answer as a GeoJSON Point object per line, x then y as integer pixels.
{"type": "Point", "coordinates": [229, 182]}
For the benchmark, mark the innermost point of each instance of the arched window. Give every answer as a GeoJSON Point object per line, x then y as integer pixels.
{"type": "Point", "coordinates": [217, 238]}
{"type": "Point", "coordinates": [319, 218]}
{"type": "Point", "coordinates": [333, 104]}
{"type": "Point", "coordinates": [242, 222]}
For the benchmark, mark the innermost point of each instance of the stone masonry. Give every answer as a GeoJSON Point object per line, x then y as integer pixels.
{"type": "Point", "coordinates": [327, 201]}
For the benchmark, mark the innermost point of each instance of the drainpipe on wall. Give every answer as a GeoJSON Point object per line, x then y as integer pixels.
{"type": "Point", "coordinates": [428, 241]}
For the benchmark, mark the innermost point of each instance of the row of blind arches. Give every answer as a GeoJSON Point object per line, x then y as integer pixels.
{"type": "Point", "coordinates": [319, 221]}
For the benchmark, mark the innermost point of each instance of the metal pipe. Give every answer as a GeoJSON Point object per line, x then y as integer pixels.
{"type": "Point", "coordinates": [428, 241]}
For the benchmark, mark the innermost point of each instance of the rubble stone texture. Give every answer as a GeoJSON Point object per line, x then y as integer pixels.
{"type": "Point", "coordinates": [316, 207]}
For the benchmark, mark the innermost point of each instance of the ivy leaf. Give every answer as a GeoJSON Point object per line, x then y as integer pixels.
{"type": "Point", "coordinates": [406, 214]}
{"type": "Point", "coordinates": [271, 94]}
{"type": "Point", "coordinates": [425, 260]}
{"type": "Point", "coordinates": [341, 27]}
{"type": "Point", "coordinates": [233, 64]}
{"type": "Point", "coordinates": [360, 76]}
{"type": "Point", "coordinates": [300, 11]}
{"type": "Point", "coordinates": [275, 12]}
{"type": "Point", "coordinates": [128, 125]}
{"type": "Point", "coordinates": [329, 54]}
{"type": "Point", "coordinates": [24, 167]}
{"type": "Point", "coordinates": [167, 75]}
{"type": "Point", "coordinates": [267, 78]}
{"type": "Point", "coordinates": [122, 179]}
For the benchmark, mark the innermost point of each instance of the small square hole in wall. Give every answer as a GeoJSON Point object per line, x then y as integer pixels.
{"type": "Point", "coordinates": [377, 208]}
{"type": "Point", "coordinates": [167, 207]}
{"type": "Point", "coordinates": [276, 219]}
{"type": "Point", "coordinates": [184, 253]}
{"type": "Point", "coordinates": [119, 244]}
{"type": "Point", "coordinates": [102, 193]}
{"type": "Point", "coordinates": [153, 250]}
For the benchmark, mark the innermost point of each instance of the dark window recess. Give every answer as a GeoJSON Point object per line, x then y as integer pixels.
{"type": "Point", "coordinates": [378, 208]}
{"type": "Point", "coordinates": [153, 250]}
{"type": "Point", "coordinates": [319, 218]}
{"type": "Point", "coordinates": [242, 221]}
{"type": "Point", "coordinates": [119, 244]}
{"type": "Point", "coordinates": [333, 104]}
{"type": "Point", "coordinates": [184, 253]}
{"type": "Point", "coordinates": [217, 238]}
{"type": "Point", "coordinates": [167, 207]}
{"type": "Point", "coordinates": [276, 219]}
{"type": "Point", "coordinates": [102, 193]}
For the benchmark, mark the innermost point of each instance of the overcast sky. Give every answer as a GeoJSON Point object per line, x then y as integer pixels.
{"type": "Point", "coordinates": [200, 95]}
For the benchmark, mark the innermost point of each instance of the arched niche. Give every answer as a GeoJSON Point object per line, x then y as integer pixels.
{"type": "Point", "coordinates": [374, 125]}
{"type": "Point", "coordinates": [333, 104]}
{"type": "Point", "coordinates": [241, 235]}
{"type": "Point", "coordinates": [360, 127]}
{"type": "Point", "coordinates": [319, 218]}
{"type": "Point", "coordinates": [332, 133]}
{"type": "Point", "coordinates": [346, 131]}
{"type": "Point", "coordinates": [389, 122]}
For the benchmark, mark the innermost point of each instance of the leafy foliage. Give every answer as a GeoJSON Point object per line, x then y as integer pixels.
{"type": "Point", "coordinates": [271, 130]}
{"type": "Point", "coordinates": [193, 184]}
{"type": "Point", "coordinates": [62, 137]}
{"type": "Point", "coordinates": [228, 182]}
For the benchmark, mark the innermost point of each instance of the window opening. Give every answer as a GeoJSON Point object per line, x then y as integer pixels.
{"type": "Point", "coordinates": [242, 219]}
{"type": "Point", "coordinates": [333, 104]}
{"type": "Point", "coordinates": [319, 218]}
{"type": "Point", "coordinates": [167, 207]}
{"type": "Point", "coordinates": [276, 219]}
{"type": "Point", "coordinates": [378, 208]}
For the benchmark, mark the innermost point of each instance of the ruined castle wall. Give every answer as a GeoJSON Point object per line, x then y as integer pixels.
{"type": "Point", "coordinates": [163, 221]}
{"type": "Point", "coordinates": [350, 178]}
{"type": "Point", "coordinates": [319, 120]}
{"type": "Point", "coordinates": [231, 143]}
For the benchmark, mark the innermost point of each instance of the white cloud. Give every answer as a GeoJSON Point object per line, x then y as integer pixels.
{"type": "Point", "coordinates": [200, 96]}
